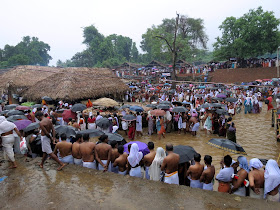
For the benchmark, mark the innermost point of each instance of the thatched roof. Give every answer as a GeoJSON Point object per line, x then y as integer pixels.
{"type": "Point", "coordinates": [107, 102]}
{"type": "Point", "coordinates": [77, 83]}
{"type": "Point", "coordinates": [156, 63]}
{"type": "Point", "coordinates": [26, 76]}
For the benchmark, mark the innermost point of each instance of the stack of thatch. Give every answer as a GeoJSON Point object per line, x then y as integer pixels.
{"type": "Point", "coordinates": [77, 83]}
{"type": "Point", "coordinates": [106, 102]}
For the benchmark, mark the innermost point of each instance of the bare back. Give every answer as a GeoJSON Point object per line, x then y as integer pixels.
{"type": "Point", "coordinates": [148, 159]}
{"type": "Point", "coordinates": [208, 175]}
{"type": "Point", "coordinates": [76, 150]}
{"type": "Point", "coordinates": [195, 171]}
{"type": "Point", "coordinates": [115, 154]}
{"type": "Point", "coordinates": [170, 163]}
{"type": "Point", "coordinates": [47, 124]}
{"type": "Point", "coordinates": [64, 147]}
{"type": "Point", "coordinates": [256, 178]}
{"type": "Point", "coordinates": [121, 162]}
{"type": "Point", "coordinates": [86, 149]}
{"type": "Point", "coordinates": [103, 150]}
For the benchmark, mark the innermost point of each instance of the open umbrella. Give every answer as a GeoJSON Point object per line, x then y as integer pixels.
{"type": "Point", "coordinates": [60, 111]}
{"type": "Point", "coordinates": [46, 98]}
{"type": "Point", "coordinates": [78, 107]}
{"type": "Point", "coordinates": [186, 103]}
{"type": "Point", "coordinates": [124, 106]}
{"type": "Point", "coordinates": [14, 118]}
{"type": "Point", "coordinates": [10, 107]}
{"type": "Point", "coordinates": [227, 145]}
{"type": "Point", "coordinates": [221, 96]}
{"type": "Point", "coordinates": [179, 109]}
{"type": "Point", "coordinates": [165, 102]}
{"type": "Point", "coordinates": [217, 105]}
{"type": "Point", "coordinates": [115, 136]}
{"type": "Point", "coordinates": [68, 130]}
{"type": "Point", "coordinates": [206, 105]}
{"type": "Point", "coordinates": [103, 123]}
{"type": "Point", "coordinates": [186, 153]}
{"type": "Point", "coordinates": [163, 106]}
{"type": "Point", "coordinates": [31, 126]}
{"type": "Point", "coordinates": [37, 106]}
{"type": "Point", "coordinates": [15, 112]}
{"type": "Point", "coordinates": [178, 103]}
{"type": "Point", "coordinates": [129, 117]}
{"type": "Point", "coordinates": [231, 100]}
{"type": "Point", "coordinates": [23, 108]}
{"type": "Point", "coordinates": [136, 108]}
{"type": "Point", "coordinates": [221, 111]}
{"type": "Point", "coordinates": [4, 112]}
{"type": "Point", "coordinates": [157, 112]}
{"type": "Point", "coordinates": [151, 106]}
{"type": "Point", "coordinates": [91, 132]}
{"type": "Point", "coordinates": [21, 124]}
{"type": "Point", "coordinates": [142, 147]}
{"type": "Point", "coordinates": [68, 114]}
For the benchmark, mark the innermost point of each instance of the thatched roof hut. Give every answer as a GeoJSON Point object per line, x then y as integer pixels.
{"type": "Point", "coordinates": [77, 83]}
{"type": "Point", "coordinates": [25, 76]}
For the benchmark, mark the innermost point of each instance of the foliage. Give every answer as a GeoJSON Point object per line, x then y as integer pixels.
{"type": "Point", "coordinates": [30, 51]}
{"type": "Point", "coordinates": [252, 35]}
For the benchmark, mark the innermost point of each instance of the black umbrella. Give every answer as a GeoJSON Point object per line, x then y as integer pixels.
{"type": "Point", "coordinates": [117, 137]}
{"type": "Point", "coordinates": [227, 145]}
{"type": "Point", "coordinates": [103, 123]}
{"type": "Point", "coordinates": [179, 103]}
{"type": "Point", "coordinates": [151, 105]}
{"type": "Point", "coordinates": [14, 118]}
{"type": "Point", "coordinates": [91, 132]}
{"type": "Point", "coordinates": [217, 105]}
{"type": "Point", "coordinates": [15, 112]}
{"type": "Point", "coordinates": [124, 106]}
{"type": "Point", "coordinates": [163, 106]}
{"type": "Point", "coordinates": [231, 100]}
{"type": "Point", "coordinates": [4, 112]}
{"type": "Point", "coordinates": [217, 99]}
{"type": "Point", "coordinates": [46, 98]}
{"type": "Point", "coordinates": [36, 106]}
{"type": "Point", "coordinates": [206, 105]}
{"type": "Point", "coordinates": [186, 103]}
{"type": "Point", "coordinates": [31, 127]}
{"type": "Point", "coordinates": [68, 130]}
{"type": "Point", "coordinates": [129, 117]}
{"type": "Point", "coordinates": [60, 111]}
{"type": "Point", "coordinates": [78, 107]}
{"type": "Point", "coordinates": [221, 111]}
{"type": "Point", "coordinates": [165, 102]}
{"type": "Point", "coordinates": [10, 107]}
{"type": "Point", "coordinates": [186, 153]}
{"type": "Point", "coordinates": [179, 109]}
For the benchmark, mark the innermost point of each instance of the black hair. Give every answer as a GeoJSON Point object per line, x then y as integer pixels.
{"type": "Point", "coordinates": [121, 149]}
{"type": "Point", "coordinates": [229, 119]}
{"type": "Point", "coordinates": [197, 157]}
{"type": "Point", "coordinates": [70, 118]}
{"type": "Point", "coordinates": [227, 160]}
{"type": "Point", "coordinates": [103, 137]}
{"type": "Point", "coordinates": [151, 145]}
{"type": "Point", "coordinates": [63, 137]}
{"type": "Point", "coordinates": [128, 147]}
{"type": "Point", "coordinates": [169, 147]}
{"type": "Point", "coordinates": [86, 137]}
{"type": "Point", "coordinates": [208, 159]}
{"type": "Point", "coordinates": [39, 114]}
{"type": "Point", "coordinates": [78, 136]}
{"type": "Point", "coordinates": [113, 143]}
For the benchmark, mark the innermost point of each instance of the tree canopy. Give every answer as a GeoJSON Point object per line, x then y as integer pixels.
{"type": "Point", "coordinates": [30, 51]}
{"type": "Point", "coordinates": [252, 35]}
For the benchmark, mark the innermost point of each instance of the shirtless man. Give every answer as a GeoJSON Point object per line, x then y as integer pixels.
{"type": "Point", "coordinates": [103, 152]}
{"type": "Point", "coordinates": [114, 156]}
{"type": "Point", "coordinates": [87, 152]}
{"type": "Point", "coordinates": [76, 150]}
{"type": "Point", "coordinates": [208, 174]}
{"type": "Point", "coordinates": [46, 128]}
{"type": "Point", "coordinates": [121, 161]}
{"type": "Point", "coordinates": [65, 150]}
{"type": "Point", "coordinates": [148, 159]}
{"type": "Point", "coordinates": [195, 172]}
{"type": "Point", "coordinates": [195, 125]}
{"type": "Point", "coordinates": [256, 179]}
{"type": "Point", "coordinates": [170, 166]}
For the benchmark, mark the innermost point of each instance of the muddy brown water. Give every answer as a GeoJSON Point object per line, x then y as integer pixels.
{"type": "Point", "coordinates": [79, 188]}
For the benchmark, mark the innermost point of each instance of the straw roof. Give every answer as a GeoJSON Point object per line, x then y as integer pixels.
{"type": "Point", "coordinates": [107, 102]}
{"type": "Point", "coordinates": [26, 76]}
{"type": "Point", "coordinates": [77, 83]}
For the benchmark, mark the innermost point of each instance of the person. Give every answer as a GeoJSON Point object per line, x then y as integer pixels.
{"type": "Point", "coordinates": [247, 105]}
{"type": "Point", "coordinates": [269, 105]}
{"type": "Point", "coordinates": [272, 181]}
{"type": "Point", "coordinates": [208, 122]}
{"type": "Point", "coordinates": [150, 123]}
{"type": "Point", "coordinates": [8, 139]}
{"type": "Point", "coordinates": [87, 152]}
{"type": "Point", "coordinates": [148, 159]}
{"type": "Point", "coordinates": [195, 125]}
{"type": "Point", "coordinates": [131, 130]}
{"type": "Point", "coordinates": [231, 130]}
{"type": "Point", "coordinates": [91, 121]}
{"type": "Point", "coordinates": [47, 135]}
{"type": "Point", "coordinates": [89, 104]}
{"type": "Point", "coordinates": [114, 156]}
{"type": "Point", "coordinates": [195, 172]}
{"type": "Point", "coordinates": [133, 161]}
{"type": "Point", "coordinates": [121, 161]}
{"type": "Point", "coordinates": [124, 126]}
{"type": "Point", "coordinates": [155, 167]}
{"type": "Point", "coordinates": [168, 122]}
{"type": "Point", "coordinates": [256, 178]}
{"type": "Point", "coordinates": [65, 150]}
{"type": "Point", "coordinates": [225, 174]}
{"type": "Point", "coordinates": [238, 187]}
{"type": "Point", "coordinates": [208, 174]}
{"type": "Point", "coordinates": [139, 124]}
{"type": "Point", "coordinates": [170, 166]}
{"type": "Point", "coordinates": [103, 152]}
{"type": "Point", "coordinates": [76, 150]}
{"type": "Point", "coordinates": [161, 132]}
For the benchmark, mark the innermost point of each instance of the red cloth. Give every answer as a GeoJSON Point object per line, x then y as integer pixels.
{"type": "Point", "coordinates": [269, 105]}
{"type": "Point", "coordinates": [91, 120]}
{"type": "Point", "coordinates": [131, 132]}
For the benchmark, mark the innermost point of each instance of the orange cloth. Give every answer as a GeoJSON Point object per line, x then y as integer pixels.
{"type": "Point", "coordinates": [89, 104]}
{"type": "Point", "coordinates": [223, 187]}
{"type": "Point", "coordinates": [44, 102]}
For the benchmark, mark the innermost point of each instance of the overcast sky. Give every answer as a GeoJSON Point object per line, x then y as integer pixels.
{"type": "Point", "coordinates": [59, 22]}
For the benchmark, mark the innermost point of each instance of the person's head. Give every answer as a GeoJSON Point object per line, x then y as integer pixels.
{"type": "Point", "coordinates": [197, 157]}
{"type": "Point", "coordinates": [138, 113]}
{"type": "Point", "coordinates": [86, 137]}
{"type": "Point", "coordinates": [121, 149]}
{"type": "Point", "coordinates": [128, 147]}
{"type": "Point", "coordinates": [229, 119]}
{"type": "Point", "coordinates": [28, 111]}
{"type": "Point", "coordinates": [79, 137]}
{"type": "Point", "coordinates": [70, 119]}
{"type": "Point", "coordinates": [103, 138]}
{"type": "Point", "coordinates": [73, 120]}
{"type": "Point", "coordinates": [207, 159]}
{"type": "Point", "coordinates": [151, 145]}
{"type": "Point", "coordinates": [227, 160]}
{"type": "Point", "coordinates": [114, 144]}
{"type": "Point", "coordinates": [97, 113]}
{"type": "Point", "coordinates": [63, 137]}
{"type": "Point", "coordinates": [169, 147]}
{"type": "Point", "coordinates": [39, 115]}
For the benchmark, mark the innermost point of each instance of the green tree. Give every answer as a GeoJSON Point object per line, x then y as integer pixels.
{"type": "Point", "coordinates": [252, 35]}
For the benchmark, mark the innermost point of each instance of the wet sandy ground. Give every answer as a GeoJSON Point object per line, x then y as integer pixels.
{"type": "Point", "coordinates": [29, 187]}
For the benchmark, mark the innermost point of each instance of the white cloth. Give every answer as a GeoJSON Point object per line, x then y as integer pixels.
{"type": "Point", "coordinates": [241, 191]}
{"type": "Point", "coordinates": [275, 198]}
{"type": "Point", "coordinates": [208, 186]}
{"type": "Point", "coordinates": [91, 165]}
{"type": "Point", "coordinates": [154, 169]}
{"type": "Point", "coordinates": [101, 168]}
{"type": "Point", "coordinates": [124, 125]}
{"type": "Point", "coordinates": [6, 126]}
{"type": "Point", "coordinates": [98, 117]}
{"type": "Point", "coordinates": [225, 174]}
{"type": "Point", "coordinates": [78, 161]}
{"type": "Point", "coordinates": [258, 196]}
{"type": "Point", "coordinates": [195, 127]}
{"type": "Point", "coordinates": [196, 184]}
{"type": "Point", "coordinates": [91, 126]}
{"type": "Point", "coordinates": [67, 159]}
{"type": "Point", "coordinates": [46, 145]}
{"type": "Point", "coordinates": [8, 143]}
{"type": "Point", "coordinates": [122, 172]}
{"type": "Point", "coordinates": [139, 123]}
{"type": "Point", "coordinates": [136, 172]}
{"type": "Point", "coordinates": [172, 178]}
{"type": "Point", "coordinates": [134, 156]}
{"type": "Point", "coordinates": [2, 119]}
{"type": "Point", "coordinates": [271, 176]}
{"type": "Point", "coordinates": [255, 163]}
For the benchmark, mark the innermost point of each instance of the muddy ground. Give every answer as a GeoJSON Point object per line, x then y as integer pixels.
{"type": "Point", "coordinates": [29, 187]}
